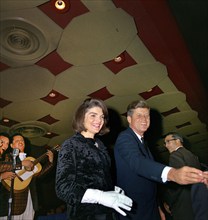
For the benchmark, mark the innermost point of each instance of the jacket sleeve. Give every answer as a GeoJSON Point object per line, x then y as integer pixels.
{"type": "Point", "coordinates": [68, 187]}
{"type": "Point", "coordinates": [183, 157]}
{"type": "Point", "coordinates": [130, 151]}
{"type": "Point", "coordinates": [8, 166]}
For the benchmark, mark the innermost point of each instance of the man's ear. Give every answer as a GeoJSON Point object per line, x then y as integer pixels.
{"type": "Point", "coordinates": [178, 141]}
{"type": "Point", "coordinates": [129, 119]}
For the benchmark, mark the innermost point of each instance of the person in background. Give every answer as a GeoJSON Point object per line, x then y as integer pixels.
{"type": "Point", "coordinates": [199, 196]}
{"type": "Point", "coordinates": [24, 201]}
{"type": "Point", "coordinates": [83, 177]}
{"type": "Point", "coordinates": [180, 202]}
{"type": "Point", "coordinates": [6, 167]}
{"type": "Point", "coordinates": [4, 144]}
{"type": "Point", "coordinates": [138, 172]}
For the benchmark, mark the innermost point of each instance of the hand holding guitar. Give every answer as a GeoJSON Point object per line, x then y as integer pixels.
{"type": "Point", "coordinates": [8, 175]}
{"type": "Point", "coordinates": [28, 165]}
{"type": "Point", "coordinates": [50, 155]}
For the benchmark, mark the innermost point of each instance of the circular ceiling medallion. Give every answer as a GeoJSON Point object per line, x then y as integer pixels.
{"type": "Point", "coordinates": [21, 40]}
{"type": "Point", "coordinates": [29, 129]}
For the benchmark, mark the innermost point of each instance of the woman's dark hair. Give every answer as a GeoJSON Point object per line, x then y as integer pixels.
{"type": "Point", "coordinates": [78, 120]}
{"type": "Point", "coordinates": [4, 134]}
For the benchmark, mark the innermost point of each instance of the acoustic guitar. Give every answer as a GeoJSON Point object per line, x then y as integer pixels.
{"type": "Point", "coordinates": [24, 177]}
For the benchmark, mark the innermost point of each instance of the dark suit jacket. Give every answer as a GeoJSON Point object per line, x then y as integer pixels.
{"type": "Point", "coordinates": [137, 175]}
{"type": "Point", "coordinates": [180, 195]}
{"type": "Point", "coordinates": [199, 193]}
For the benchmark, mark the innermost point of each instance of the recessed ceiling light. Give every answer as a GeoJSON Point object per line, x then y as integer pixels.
{"type": "Point", "coordinates": [120, 58]}
{"type": "Point", "coordinates": [61, 5]}
{"type": "Point", "coordinates": [6, 120]}
{"type": "Point", "coordinates": [150, 90]}
{"type": "Point", "coordinates": [52, 94]}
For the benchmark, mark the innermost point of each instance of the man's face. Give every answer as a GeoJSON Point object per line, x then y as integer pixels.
{"type": "Point", "coordinates": [18, 142]}
{"type": "Point", "coordinates": [4, 143]}
{"type": "Point", "coordinates": [140, 120]}
{"type": "Point", "coordinates": [171, 143]}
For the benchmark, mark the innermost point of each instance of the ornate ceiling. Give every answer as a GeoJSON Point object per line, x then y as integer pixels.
{"type": "Point", "coordinates": [52, 61]}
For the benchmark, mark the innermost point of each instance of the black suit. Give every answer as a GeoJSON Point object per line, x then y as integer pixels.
{"type": "Point", "coordinates": [180, 195]}
{"type": "Point", "coordinates": [137, 175]}
{"type": "Point", "coordinates": [199, 194]}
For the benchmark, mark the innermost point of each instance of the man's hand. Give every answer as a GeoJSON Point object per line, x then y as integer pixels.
{"type": "Point", "coordinates": [206, 180]}
{"type": "Point", "coordinates": [28, 165]}
{"type": "Point", "coordinates": [187, 175]}
{"type": "Point", "coordinates": [8, 175]}
{"type": "Point", "coordinates": [167, 208]}
{"type": "Point", "coordinates": [162, 214]}
{"type": "Point", "coordinates": [50, 156]}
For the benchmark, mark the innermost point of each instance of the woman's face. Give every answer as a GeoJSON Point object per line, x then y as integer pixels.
{"type": "Point", "coordinates": [93, 122]}
{"type": "Point", "coordinates": [4, 143]}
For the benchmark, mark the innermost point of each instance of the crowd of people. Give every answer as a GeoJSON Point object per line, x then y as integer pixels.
{"type": "Point", "coordinates": [84, 172]}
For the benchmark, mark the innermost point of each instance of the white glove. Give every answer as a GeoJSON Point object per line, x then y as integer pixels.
{"type": "Point", "coordinates": [110, 199]}
{"type": "Point", "coordinates": [118, 190]}
{"type": "Point", "coordinates": [116, 201]}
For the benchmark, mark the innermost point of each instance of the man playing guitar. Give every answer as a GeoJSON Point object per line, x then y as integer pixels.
{"type": "Point", "coordinates": [24, 200]}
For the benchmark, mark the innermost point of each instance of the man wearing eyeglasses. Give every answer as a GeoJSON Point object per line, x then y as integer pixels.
{"type": "Point", "coordinates": [180, 203]}
{"type": "Point", "coordinates": [137, 173]}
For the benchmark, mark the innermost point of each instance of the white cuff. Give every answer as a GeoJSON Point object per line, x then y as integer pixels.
{"type": "Point", "coordinates": [91, 196]}
{"type": "Point", "coordinates": [164, 174]}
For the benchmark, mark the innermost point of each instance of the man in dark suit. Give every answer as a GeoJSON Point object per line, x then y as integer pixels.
{"type": "Point", "coordinates": [138, 173]}
{"type": "Point", "coordinates": [199, 195]}
{"type": "Point", "coordinates": [180, 202]}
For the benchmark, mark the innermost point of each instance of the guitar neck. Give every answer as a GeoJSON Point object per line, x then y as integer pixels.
{"type": "Point", "coordinates": [42, 157]}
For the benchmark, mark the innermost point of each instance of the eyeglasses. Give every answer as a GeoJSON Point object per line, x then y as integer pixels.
{"type": "Point", "coordinates": [167, 141]}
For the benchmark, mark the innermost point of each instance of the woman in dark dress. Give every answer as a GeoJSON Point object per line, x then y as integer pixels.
{"type": "Point", "coordinates": [83, 177]}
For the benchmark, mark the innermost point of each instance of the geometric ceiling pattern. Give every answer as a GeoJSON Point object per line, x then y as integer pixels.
{"type": "Point", "coordinates": [118, 51]}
